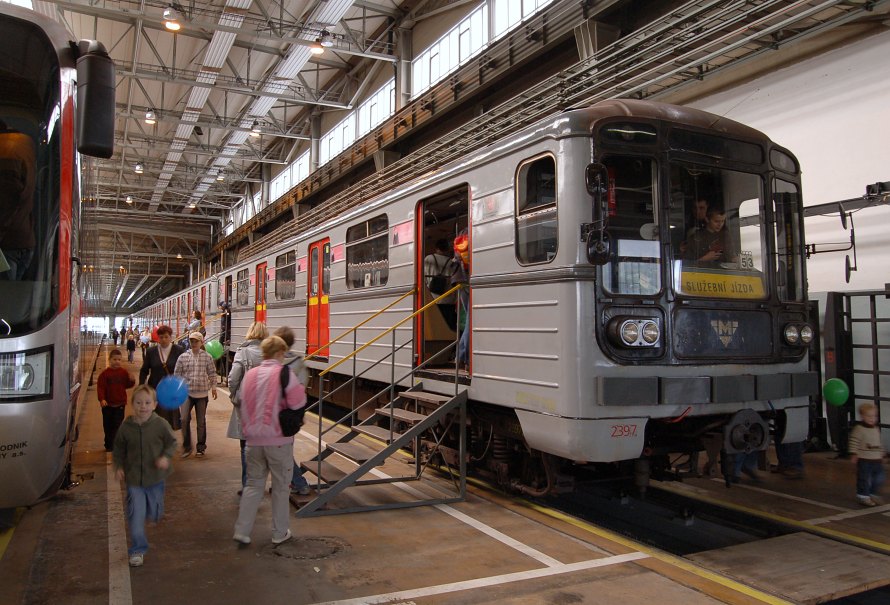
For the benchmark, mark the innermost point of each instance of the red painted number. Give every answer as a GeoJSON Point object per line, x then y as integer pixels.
{"type": "Point", "coordinates": [624, 430]}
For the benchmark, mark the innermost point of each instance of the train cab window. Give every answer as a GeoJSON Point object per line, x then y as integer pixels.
{"type": "Point", "coordinates": [367, 253]}
{"type": "Point", "coordinates": [286, 276]}
{"type": "Point", "coordinates": [635, 267]}
{"type": "Point", "coordinates": [243, 287]}
{"type": "Point", "coordinates": [717, 232]}
{"type": "Point", "coordinates": [536, 226]}
{"type": "Point", "coordinates": [788, 231]}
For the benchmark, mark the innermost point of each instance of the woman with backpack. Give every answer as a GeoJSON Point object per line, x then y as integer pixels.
{"type": "Point", "coordinates": [249, 355]}
{"type": "Point", "coordinates": [437, 271]}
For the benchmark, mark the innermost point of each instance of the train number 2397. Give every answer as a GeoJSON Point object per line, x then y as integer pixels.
{"type": "Point", "coordinates": [624, 430]}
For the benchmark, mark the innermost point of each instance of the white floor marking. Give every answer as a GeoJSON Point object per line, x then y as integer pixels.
{"type": "Point", "coordinates": [850, 515]}
{"type": "Point", "coordinates": [490, 581]}
{"type": "Point", "coordinates": [786, 496]}
{"type": "Point", "coordinates": [119, 589]}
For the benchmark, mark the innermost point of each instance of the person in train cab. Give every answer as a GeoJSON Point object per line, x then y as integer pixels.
{"type": "Point", "coordinates": [112, 393]}
{"type": "Point", "coordinates": [143, 448]}
{"type": "Point", "coordinates": [248, 356]}
{"type": "Point", "coordinates": [437, 271]}
{"type": "Point", "coordinates": [17, 181]}
{"type": "Point", "coordinates": [867, 453]}
{"type": "Point", "coordinates": [699, 220]}
{"type": "Point", "coordinates": [158, 362]}
{"type": "Point", "coordinates": [263, 396]}
{"type": "Point", "coordinates": [197, 368]}
{"type": "Point", "coordinates": [462, 276]}
{"type": "Point", "coordinates": [714, 244]}
{"type": "Point", "coordinates": [298, 484]}
{"type": "Point", "coordinates": [131, 344]}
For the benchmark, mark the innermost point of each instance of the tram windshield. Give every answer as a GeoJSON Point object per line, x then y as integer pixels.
{"type": "Point", "coordinates": [30, 134]}
{"type": "Point", "coordinates": [717, 239]}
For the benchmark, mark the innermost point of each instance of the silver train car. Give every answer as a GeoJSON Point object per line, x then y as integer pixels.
{"type": "Point", "coordinates": [637, 289]}
{"type": "Point", "coordinates": [50, 83]}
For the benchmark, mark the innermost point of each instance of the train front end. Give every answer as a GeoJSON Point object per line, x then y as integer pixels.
{"type": "Point", "coordinates": [700, 325]}
{"type": "Point", "coordinates": [39, 224]}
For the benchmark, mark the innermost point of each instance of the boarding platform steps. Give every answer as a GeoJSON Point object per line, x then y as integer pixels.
{"type": "Point", "coordinates": [410, 417]}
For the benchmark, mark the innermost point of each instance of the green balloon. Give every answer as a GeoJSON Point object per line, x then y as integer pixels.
{"type": "Point", "coordinates": [215, 348]}
{"type": "Point", "coordinates": [836, 392]}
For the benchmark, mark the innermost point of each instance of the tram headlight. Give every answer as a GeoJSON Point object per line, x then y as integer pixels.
{"type": "Point", "coordinates": [630, 332]}
{"type": "Point", "coordinates": [25, 374]}
{"type": "Point", "coordinates": [650, 332]}
{"type": "Point", "coordinates": [806, 334]}
{"type": "Point", "coordinates": [792, 334]}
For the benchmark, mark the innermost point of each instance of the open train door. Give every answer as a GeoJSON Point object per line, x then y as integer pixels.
{"type": "Point", "coordinates": [318, 286]}
{"type": "Point", "coordinates": [445, 218]}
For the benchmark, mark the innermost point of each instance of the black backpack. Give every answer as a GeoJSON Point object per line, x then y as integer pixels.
{"type": "Point", "coordinates": [439, 282]}
{"type": "Point", "coordinates": [290, 420]}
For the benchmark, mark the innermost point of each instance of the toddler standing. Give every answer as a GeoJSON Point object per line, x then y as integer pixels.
{"type": "Point", "coordinates": [112, 391]}
{"type": "Point", "coordinates": [867, 454]}
{"type": "Point", "coordinates": [142, 451]}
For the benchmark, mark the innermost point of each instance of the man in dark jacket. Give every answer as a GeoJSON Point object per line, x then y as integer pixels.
{"type": "Point", "coordinates": [158, 362]}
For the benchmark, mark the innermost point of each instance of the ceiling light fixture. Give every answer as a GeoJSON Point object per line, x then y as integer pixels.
{"type": "Point", "coordinates": [192, 205]}
{"type": "Point", "coordinates": [220, 177]}
{"type": "Point", "coordinates": [316, 48]}
{"type": "Point", "coordinates": [326, 40]}
{"type": "Point", "coordinates": [150, 117]}
{"type": "Point", "coordinates": [138, 168]}
{"type": "Point", "coordinates": [129, 199]}
{"type": "Point", "coordinates": [255, 130]}
{"type": "Point", "coordinates": [179, 256]}
{"type": "Point", "coordinates": [171, 19]}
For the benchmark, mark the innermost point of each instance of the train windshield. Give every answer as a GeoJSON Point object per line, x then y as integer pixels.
{"type": "Point", "coordinates": [717, 237]}
{"type": "Point", "coordinates": [30, 134]}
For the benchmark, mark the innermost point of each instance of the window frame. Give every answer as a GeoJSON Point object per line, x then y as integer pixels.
{"type": "Point", "coordinates": [242, 277]}
{"type": "Point", "coordinates": [524, 214]}
{"type": "Point", "coordinates": [369, 238]}
{"type": "Point", "coordinates": [288, 262]}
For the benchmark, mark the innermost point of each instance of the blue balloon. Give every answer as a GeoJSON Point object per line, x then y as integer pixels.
{"type": "Point", "coordinates": [172, 392]}
{"type": "Point", "coordinates": [145, 339]}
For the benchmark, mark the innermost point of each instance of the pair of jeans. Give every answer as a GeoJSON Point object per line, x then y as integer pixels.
{"type": "Point", "coordinates": [869, 477]}
{"type": "Point", "coordinates": [263, 460]}
{"type": "Point", "coordinates": [143, 503]}
{"type": "Point", "coordinates": [112, 418]}
{"type": "Point", "coordinates": [200, 405]}
{"type": "Point", "coordinates": [298, 481]}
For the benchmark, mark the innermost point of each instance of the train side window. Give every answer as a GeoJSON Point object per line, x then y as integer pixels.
{"type": "Point", "coordinates": [286, 276]}
{"type": "Point", "coordinates": [367, 253]}
{"type": "Point", "coordinates": [243, 279]}
{"type": "Point", "coordinates": [536, 226]}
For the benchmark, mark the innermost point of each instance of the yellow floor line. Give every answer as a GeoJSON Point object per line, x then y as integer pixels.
{"type": "Point", "coordinates": [803, 525]}
{"type": "Point", "coordinates": [6, 535]}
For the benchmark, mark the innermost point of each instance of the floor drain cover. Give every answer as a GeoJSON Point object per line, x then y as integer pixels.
{"type": "Point", "coordinates": [308, 548]}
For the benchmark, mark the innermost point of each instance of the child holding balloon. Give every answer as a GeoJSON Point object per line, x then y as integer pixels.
{"type": "Point", "coordinates": [143, 448]}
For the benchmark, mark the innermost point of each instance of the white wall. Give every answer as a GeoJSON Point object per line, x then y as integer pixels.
{"type": "Point", "coordinates": [833, 113]}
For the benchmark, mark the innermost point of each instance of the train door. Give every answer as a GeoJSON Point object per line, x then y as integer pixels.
{"type": "Point", "coordinates": [319, 285]}
{"type": "Point", "coordinates": [260, 298]}
{"type": "Point", "coordinates": [227, 294]}
{"type": "Point", "coordinates": [445, 220]}
{"type": "Point", "coordinates": [203, 305]}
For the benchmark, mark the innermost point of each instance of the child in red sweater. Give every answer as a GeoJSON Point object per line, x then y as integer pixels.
{"type": "Point", "coordinates": [112, 390]}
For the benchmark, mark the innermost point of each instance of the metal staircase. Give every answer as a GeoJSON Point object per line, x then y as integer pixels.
{"type": "Point", "coordinates": [416, 417]}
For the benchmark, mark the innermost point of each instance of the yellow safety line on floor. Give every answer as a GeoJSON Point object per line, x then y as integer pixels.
{"type": "Point", "coordinates": [6, 535]}
{"type": "Point", "coordinates": [809, 527]}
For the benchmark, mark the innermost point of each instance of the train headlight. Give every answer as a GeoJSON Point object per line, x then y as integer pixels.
{"type": "Point", "coordinates": [650, 332]}
{"type": "Point", "coordinates": [630, 332]}
{"type": "Point", "coordinates": [792, 334]}
{"type": "Point", "coordinates": [25, 374]}
{"type": "Point", "coordinates": [806, 334]}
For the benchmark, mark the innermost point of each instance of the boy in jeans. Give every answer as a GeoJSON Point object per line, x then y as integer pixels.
{"type": "Point", "coordinates": [142, 451]}
{"type": "Point", "coordinates": [867, 454]}
{"type": "Point", "coordinates": [112, 391]}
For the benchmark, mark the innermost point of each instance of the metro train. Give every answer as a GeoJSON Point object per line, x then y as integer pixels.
{"type": "Point", "coordinates": [50, 83]}
{"type": "Point", "coordinates": [601, 331]}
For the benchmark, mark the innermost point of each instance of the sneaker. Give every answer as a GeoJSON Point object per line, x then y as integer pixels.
{"type": "Point", "coordinates": [241, 539]}
{"type": "Point", "coordinates": [876, 499]}
{"type": "Point", "coordinates": [199, 455]}
{"type": "Point", "coordinates": [185, 454]}
{"type": "Point", "coordinates": [866, 501]}
{"type": "Point", "coordinates": [287, 536]}
{"type": "Point", "coordinates": [303, 491]}
{"type": "Point", "coordinates": [136, 560]}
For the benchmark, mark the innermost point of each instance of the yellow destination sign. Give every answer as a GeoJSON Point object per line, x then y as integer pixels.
{"type": "Point", "coordinates": [721, 285]}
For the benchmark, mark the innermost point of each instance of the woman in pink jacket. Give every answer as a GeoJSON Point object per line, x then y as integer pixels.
{"type": "Point", "coordinates": [268, 450]}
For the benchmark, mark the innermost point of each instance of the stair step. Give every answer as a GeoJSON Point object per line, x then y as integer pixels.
{"type": "Point", "coordinates": [353, 451]}
{"type": "Point", "coordinates": [425, 396]}
{"type": "Point", "coordinates": [400, 414]}
{"type": "Point", "coordinates": [329, 472]}
{"type": "Point", "coordinates": [378, 432]}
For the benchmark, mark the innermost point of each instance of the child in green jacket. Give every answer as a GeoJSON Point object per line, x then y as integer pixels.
{"type": "Point", "coordinates": [143, 447]}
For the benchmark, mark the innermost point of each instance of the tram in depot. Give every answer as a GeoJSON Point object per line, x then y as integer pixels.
{"type": "Point", "coordinates": [637, 289]}
{"type": "Point", "coordinates": [49, 84]}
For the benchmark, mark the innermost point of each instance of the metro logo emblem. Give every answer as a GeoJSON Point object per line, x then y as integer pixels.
{"type": "Point", "coordinates": [725, 330]}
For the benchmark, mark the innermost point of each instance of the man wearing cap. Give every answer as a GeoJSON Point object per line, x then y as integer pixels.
{"type": "Point", "coordinates": [197, 368]}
